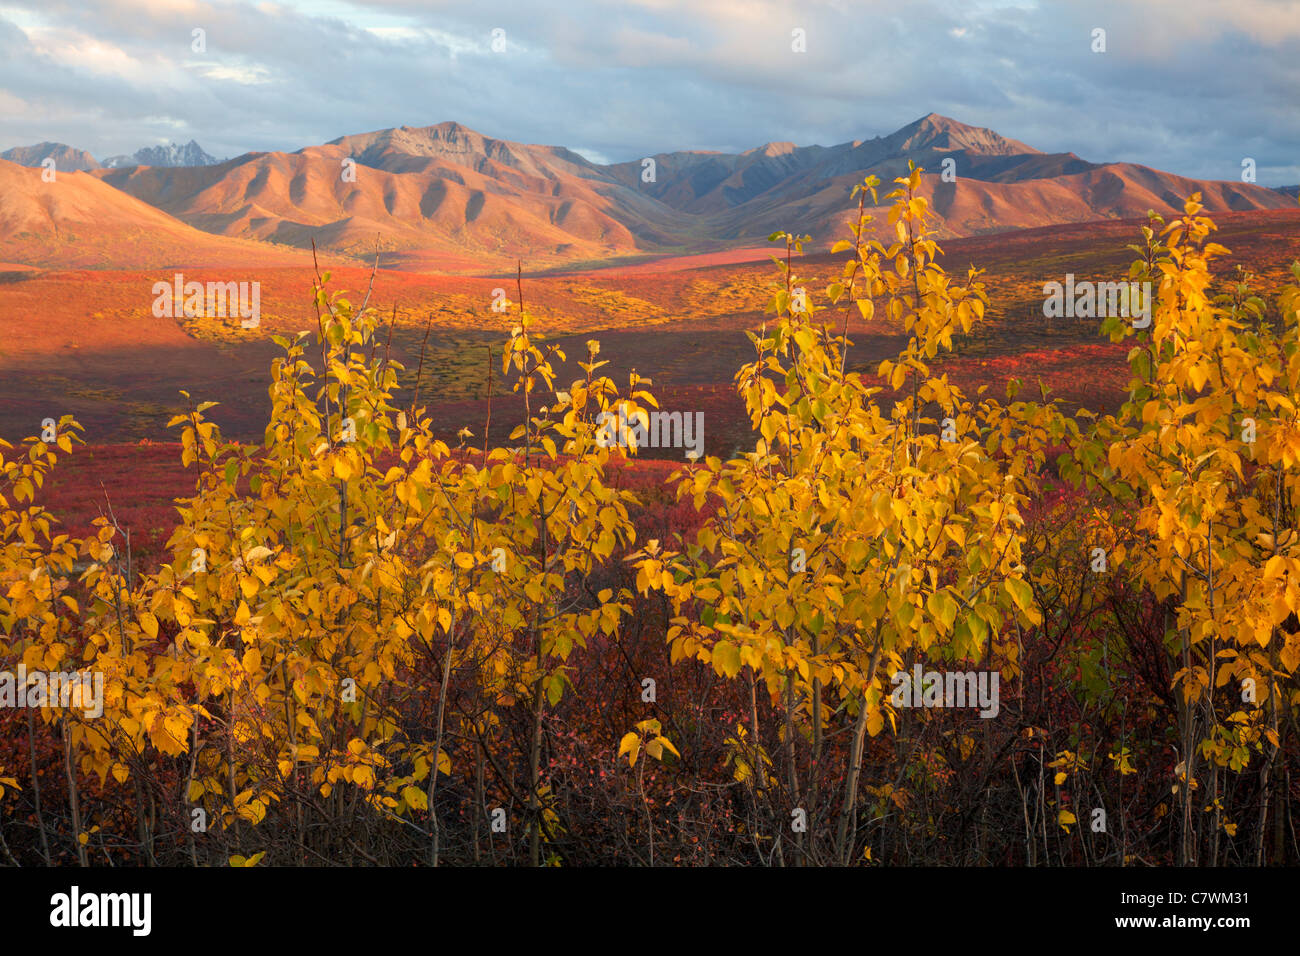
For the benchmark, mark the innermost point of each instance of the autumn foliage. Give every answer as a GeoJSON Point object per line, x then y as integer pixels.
{"type": "Point", "coordinates": [370, 644]}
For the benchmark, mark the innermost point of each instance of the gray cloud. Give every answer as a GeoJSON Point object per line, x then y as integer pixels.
{"type": "Point", "coordinates": [1192, 86]}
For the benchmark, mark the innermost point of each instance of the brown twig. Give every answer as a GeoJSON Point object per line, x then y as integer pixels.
{"type": "Point", "coordinates": [519, 284]}
{"type": "Point", "coordinates": [388, 344]}
{"type": "Point", "coordinates": [487, 425]}
{"type": "Point", "coordinates": [420, 368]}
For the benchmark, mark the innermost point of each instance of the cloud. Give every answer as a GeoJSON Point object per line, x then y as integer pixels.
{"type": "Point", "coordinates": [592, 155]}
{"type": "Point", "coordinates": [1192, 86]}
{"type": "Point", "coordinates": [234, 72]}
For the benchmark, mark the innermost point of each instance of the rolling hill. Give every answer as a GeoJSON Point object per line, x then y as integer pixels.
{"type": "Point", "coordinates": [78, 221]}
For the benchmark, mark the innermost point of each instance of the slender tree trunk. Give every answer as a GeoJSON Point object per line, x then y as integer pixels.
{"type": "Point", "coordinates": [74, 797]}
{"type": "Point", "coordinates": [36, 786]}
{"type": "Point", "coordinates": [534, 771]}
{"type": "Point", "coordinates": [848, 810]}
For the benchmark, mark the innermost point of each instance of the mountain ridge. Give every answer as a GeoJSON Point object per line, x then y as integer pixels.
{"type": "Point", "coordinates": [448, 190]}
{"type": "Point", "coordinates": [170, 155]}
{"type": "Point", "coordinates": [70, 158]}
{"type": "Point", "coordinates": [65, 157]}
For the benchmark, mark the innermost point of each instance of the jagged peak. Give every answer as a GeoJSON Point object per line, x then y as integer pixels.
{"type": "Point", "coordinates": [943, 132]}
{"type": "Point", "coordinates": [771, 150]}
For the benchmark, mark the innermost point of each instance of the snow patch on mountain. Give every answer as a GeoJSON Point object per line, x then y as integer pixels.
{"type": "Point", "coordinates": [168, 154]}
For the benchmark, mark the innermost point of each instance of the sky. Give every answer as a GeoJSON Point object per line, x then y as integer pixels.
{"type": "Point", "coordinates": [1194, 87]}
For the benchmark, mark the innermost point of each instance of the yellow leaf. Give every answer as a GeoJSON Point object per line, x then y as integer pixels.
{"type": "Point", "coordinates": [150, 624]}
{"type": "Point", "coordinates": [1021, 592]}
{"type": "Point", "coordinates": [726, 659]}
{"type": "Point", "coordinates": [630, 745]}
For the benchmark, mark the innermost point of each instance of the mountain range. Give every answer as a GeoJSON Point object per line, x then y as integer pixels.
{"type": "Point", "coordinates": [69, 159]}
{"type": "Point", "coordinates": [434, 195]}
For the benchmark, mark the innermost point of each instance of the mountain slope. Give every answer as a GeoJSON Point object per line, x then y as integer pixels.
{"type": "Point", "coordinates": [970, 206]}
{"type": "Point", "coordinates": [437, 188]}
{"type": "Point", "coordinates": [711, 183]}
{"type": "Point", "coordinates": [80, 222]}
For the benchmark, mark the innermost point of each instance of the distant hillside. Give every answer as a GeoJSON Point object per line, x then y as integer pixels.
{"type": "Point", "coordinates": [65, 157]}
{"type": "Point", "coordinates": [716, 182]}
{"type": "Point", "coordinates": [996, 184]}
{"type": "Point", "coordinates": [441, 187]}
{"type": "Point", "coordinates": [80, 222]}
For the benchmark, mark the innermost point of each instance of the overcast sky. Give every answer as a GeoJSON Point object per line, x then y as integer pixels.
{"type": "Point", "coordinates": [1190, 86]}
